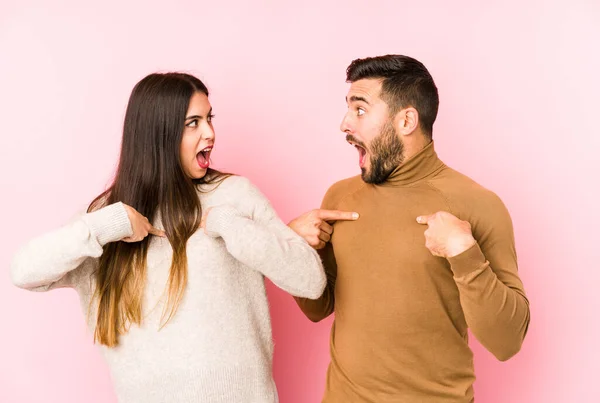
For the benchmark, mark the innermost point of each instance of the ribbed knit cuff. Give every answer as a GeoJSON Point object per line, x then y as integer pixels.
{"type": "Point", "coordinates": [467, 262]}
{"type": "Point", "coordinates": [110, 223]}
{"type": "Point", "coordinates": [220, 220]}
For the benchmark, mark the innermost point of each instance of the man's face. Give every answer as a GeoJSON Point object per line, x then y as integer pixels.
{"type": "Point", "coordinates": [369, 127]}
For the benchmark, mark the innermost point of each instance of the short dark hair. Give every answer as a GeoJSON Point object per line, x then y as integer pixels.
{"type": "Point", "coordinates": [406, 82]}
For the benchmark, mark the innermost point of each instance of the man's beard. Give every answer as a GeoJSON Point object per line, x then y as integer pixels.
{"type": "Point", "coordinates": [385, 155]}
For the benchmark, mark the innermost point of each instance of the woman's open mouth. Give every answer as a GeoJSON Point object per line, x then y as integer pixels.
{"type": "Point", "coordinates": [203, 157]}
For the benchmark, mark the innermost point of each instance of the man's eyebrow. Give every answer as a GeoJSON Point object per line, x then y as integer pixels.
{"type": "Point", "coordinates": [357, 98]}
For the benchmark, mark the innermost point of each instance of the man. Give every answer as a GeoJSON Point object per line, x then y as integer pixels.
{"type": "Point", "coordinates": [431, 255]}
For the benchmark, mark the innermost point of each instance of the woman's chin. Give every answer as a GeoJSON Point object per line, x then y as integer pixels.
{"type": "Point", "coordinates": [197, 173]}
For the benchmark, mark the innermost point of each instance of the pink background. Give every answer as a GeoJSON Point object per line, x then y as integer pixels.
{"type": "Point", "coordinates": [519, 94]}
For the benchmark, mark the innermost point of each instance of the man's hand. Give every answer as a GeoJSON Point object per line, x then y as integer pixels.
{"type": "Point", "coordinates": [447, 236]}
{"type": "Point", "coordinates": [315, 226]}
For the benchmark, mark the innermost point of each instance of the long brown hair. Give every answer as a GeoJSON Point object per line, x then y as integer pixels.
{"type": "Point", "coordinates": [150, 179]}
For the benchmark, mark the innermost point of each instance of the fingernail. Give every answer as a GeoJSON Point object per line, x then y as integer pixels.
{"type": "Point", "coordinates": [355, 216]}
{"type": "Point", "coordinates": [419, 219]}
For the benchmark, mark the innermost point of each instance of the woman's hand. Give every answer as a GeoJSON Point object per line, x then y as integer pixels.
{"type": "Point", "coordinates": [204, 217]}
{"type": "Point", "coordinates": [140, 225]}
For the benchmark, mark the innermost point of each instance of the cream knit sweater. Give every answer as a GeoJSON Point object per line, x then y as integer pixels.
{"type": "Point", "coordinates": [218, 347]}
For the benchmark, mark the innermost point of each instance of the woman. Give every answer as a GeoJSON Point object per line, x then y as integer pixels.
{"type": "Point", "coordinates": [178, 303]}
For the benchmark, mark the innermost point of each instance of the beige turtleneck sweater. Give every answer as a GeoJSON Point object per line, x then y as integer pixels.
{"type": "Point", "coordinates": [402, 314]}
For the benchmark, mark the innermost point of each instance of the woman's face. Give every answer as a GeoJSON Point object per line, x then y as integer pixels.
{"type": "Point", "coordinates": [198, 137]}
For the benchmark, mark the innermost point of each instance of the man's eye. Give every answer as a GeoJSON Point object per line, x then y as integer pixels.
{"type": "Point", "coordinates": [360, 111]}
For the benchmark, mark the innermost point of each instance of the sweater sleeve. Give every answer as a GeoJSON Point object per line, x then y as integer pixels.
{"type": "Point", "coordinates": [50, 260]}
{"type": "Point", "coordinates": [320, 308]}
{"type": "Point", "coordinates": [491, 293]}
{"type": "Point", "coordinates": [262, 242]}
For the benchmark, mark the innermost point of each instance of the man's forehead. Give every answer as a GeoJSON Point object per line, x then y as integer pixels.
{"type": "Point", "coordinates": [368, 88]}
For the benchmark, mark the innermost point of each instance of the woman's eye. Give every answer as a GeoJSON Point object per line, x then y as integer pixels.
{"type": "Point", "coordinates": [193, 123]}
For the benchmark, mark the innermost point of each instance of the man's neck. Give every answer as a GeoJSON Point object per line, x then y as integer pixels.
{"type": "Point", "coordinates": [414, 143]}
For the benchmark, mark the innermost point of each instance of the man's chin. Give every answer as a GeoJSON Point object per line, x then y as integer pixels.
{"type": "Point", "coordinates": [366, 175]}
{"type": "Point", "coordinates": [374, 178]}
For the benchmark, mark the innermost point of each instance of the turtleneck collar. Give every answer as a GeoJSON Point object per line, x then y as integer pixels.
{"type": "Point", "coordinates": [418, 167]}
